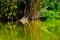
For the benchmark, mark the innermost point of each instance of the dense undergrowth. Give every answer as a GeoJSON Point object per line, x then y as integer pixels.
{"type": "Point", "coordinates": [46, 28]}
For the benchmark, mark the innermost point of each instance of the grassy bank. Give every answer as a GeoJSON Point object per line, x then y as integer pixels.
{"type": "Point", "coordinates": [35, 30]}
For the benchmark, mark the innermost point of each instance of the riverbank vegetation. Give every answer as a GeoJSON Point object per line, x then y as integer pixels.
{"type": "Point", "coordinates": [42, 26]}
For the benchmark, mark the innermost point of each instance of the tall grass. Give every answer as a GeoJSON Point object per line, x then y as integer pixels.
{"type": "Point", "coordinates": [21, 32]}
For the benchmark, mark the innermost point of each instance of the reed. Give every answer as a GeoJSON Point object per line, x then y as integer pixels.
{"type": "Point", "coordinates": [31, 28]}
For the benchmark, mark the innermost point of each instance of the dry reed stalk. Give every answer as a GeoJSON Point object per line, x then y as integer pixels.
{"type": "Point", "coordinates": [32, 28]}
{"type": "Point", "coordinates": [34, 8]}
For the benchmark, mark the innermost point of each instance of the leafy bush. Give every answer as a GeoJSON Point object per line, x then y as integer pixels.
{"type": "Point", "coordinates": [48, 13]}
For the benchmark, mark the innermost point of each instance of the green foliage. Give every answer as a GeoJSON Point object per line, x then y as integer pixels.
{"type": "Point", "coordinates": [51, 3]}
{"type": "Point", "coordinates": [9, 6]}
{"type": "Point", "coordinates": [48, 13]}
{"type": "Point", "coordinates": [49, 30]}
{"type": "Point", "coordinates": [58, 7]}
